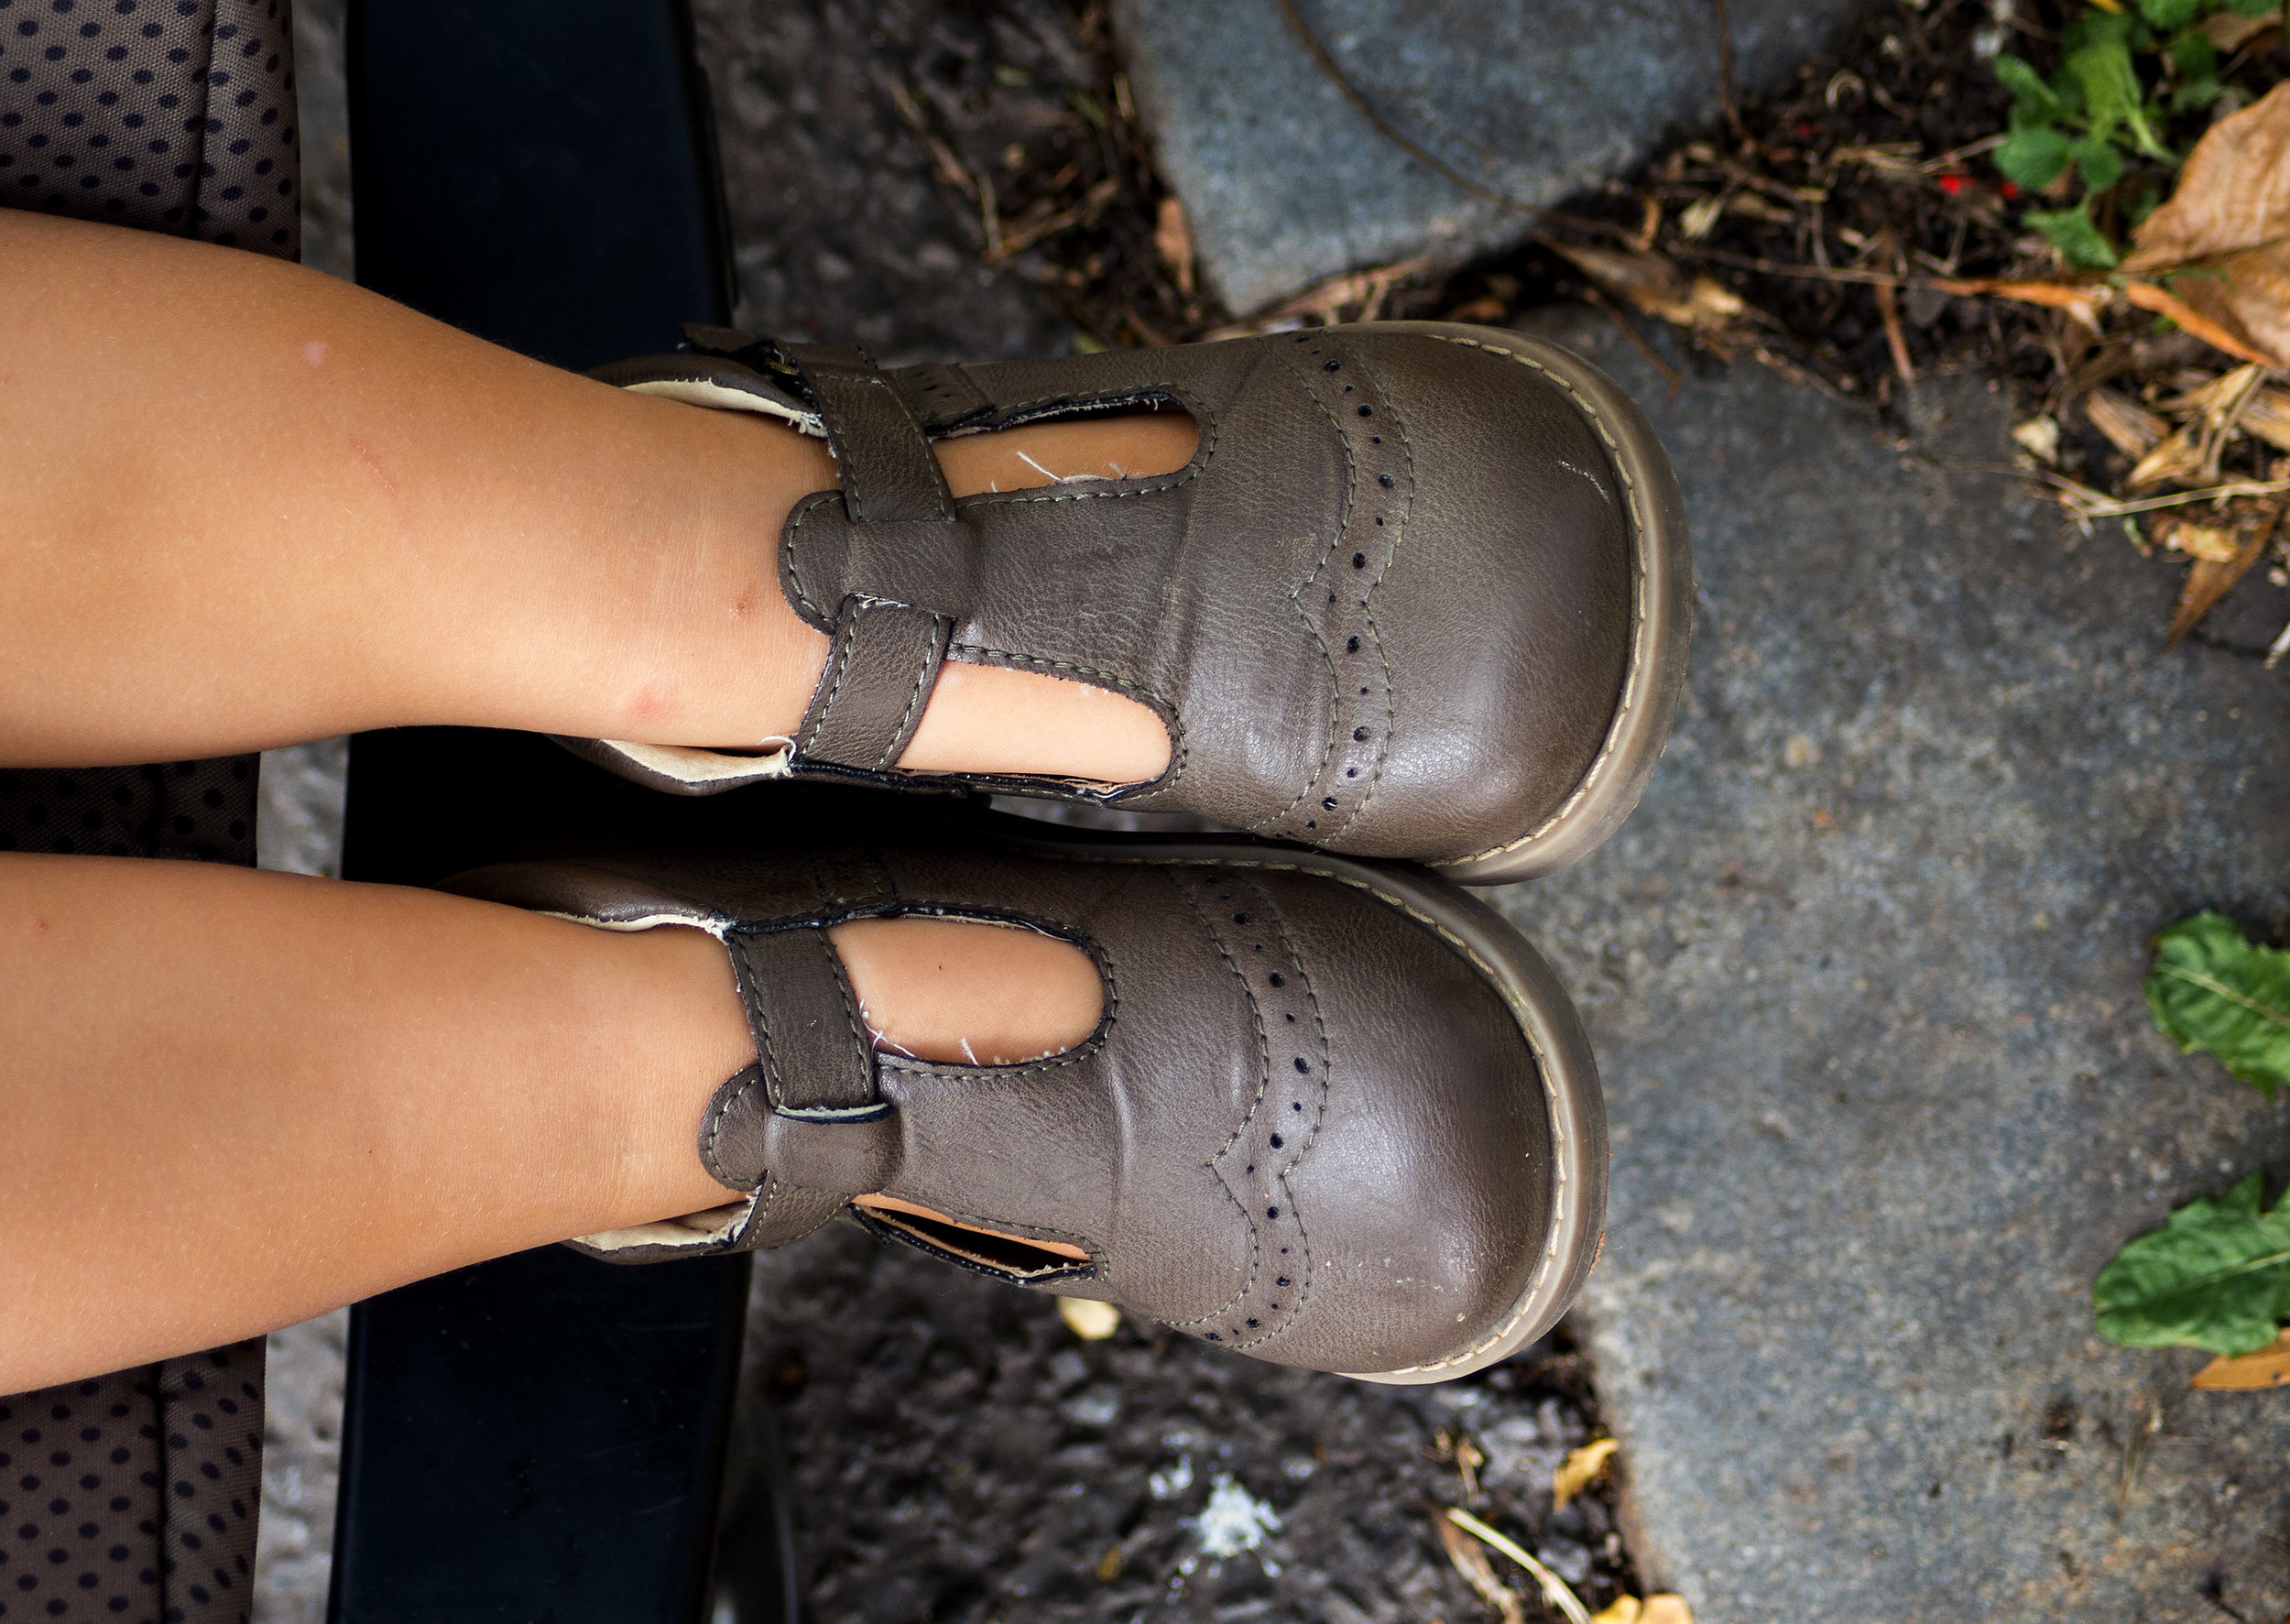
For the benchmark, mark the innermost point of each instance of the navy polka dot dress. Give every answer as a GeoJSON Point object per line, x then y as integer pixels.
{"type": "Point", "coordinates": [132, 1498]}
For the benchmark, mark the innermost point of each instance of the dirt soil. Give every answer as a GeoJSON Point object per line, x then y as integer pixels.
{"type": "Point", "coordinates": [956, 1453]}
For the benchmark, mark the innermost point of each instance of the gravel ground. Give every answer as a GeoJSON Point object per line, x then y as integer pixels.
{"type": "Point", "coordinates": [956, 1452]}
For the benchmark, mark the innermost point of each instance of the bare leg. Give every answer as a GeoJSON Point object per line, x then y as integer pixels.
{"type": "Point", "coordinates": [245, 505]}
{"type": "Point", "coordinates": [235, 1099]}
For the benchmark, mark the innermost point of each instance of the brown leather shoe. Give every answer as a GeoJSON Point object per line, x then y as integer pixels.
{"type": "Point", "coordinates": [1338, 1114]}
{"type": "Point", "coordinates": [1422, 591]}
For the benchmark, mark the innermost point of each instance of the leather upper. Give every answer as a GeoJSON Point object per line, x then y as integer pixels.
{"type": "Point", "coordinates": [1308, 1127]}
{"type": "Point", "coordinates": [1386, 609]}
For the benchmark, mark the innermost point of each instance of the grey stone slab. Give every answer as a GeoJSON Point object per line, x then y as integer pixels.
{"type": "Point", "coordinates": [1864, 974]}
{"type": "Point", "coordinates": [1286, 183]}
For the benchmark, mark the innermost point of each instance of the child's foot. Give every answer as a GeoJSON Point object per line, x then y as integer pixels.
{"type": "Point", "coordinates": [1402, 589]}
{"type": "Point", "coordinates": [1324, 1114]}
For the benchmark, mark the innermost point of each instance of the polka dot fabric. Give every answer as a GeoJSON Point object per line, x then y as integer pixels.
{"type": "Point", "coordinates": [173, 116]}
{"type": "Point", "coordinates": [131, 1498]}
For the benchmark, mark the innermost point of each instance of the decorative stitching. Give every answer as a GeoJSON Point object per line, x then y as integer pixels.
{"type": "Point", "coordinates": [843, 650]}
{"type": "Point", "coordinates": [715, 1167]}
{"type": "Point", "coordinates": [923, 682]}
{"type": "Point", "coordinates": [795, 517]}
{"type": "Point", "coordinates": [1633, 682]}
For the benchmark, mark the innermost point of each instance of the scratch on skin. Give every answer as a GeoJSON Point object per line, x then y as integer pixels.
{"type": "Point", "coordinates": [365, 454]}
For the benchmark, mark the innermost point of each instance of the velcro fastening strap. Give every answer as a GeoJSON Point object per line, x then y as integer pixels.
{"type": "Point", "coordinates": [880, 669]}
{"type": "Point", "coordinates": [884, 461]}
{"type": "Point", "coordinates": [807, 1112]}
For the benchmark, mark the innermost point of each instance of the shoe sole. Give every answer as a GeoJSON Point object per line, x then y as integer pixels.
{"type": "Point", "coordinates": [1661, 618]}
{"type": "Point", "coordinates": [1529, 990]}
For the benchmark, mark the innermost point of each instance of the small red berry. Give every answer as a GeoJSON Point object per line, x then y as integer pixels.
{"type": "Point", "coordinates": [1952, 184]}
{"type": "Point", "coordinates": [2008, 189]}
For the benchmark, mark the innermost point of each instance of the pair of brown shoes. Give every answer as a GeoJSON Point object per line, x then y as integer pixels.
{"type": "Point", "coordinates": [1415, 613]}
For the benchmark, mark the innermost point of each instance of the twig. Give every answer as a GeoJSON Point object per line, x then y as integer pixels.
{"type": "Point", "coordinates": [1725, 70]}
{"type": "Point", "coordinates": [989, 217]}
{"type": "Point", "coordinates": [1554, 1589]}
{"type": "Point", "coordinates": [1775, 267]}
{"type": "Point", "coordinates": [1889, 309]}
{"type": "Point", "coordinates": [1360, 104]}
{"type": "Point", "coordinates": [2092, 505]}
{"type": "Point", "coordinates": [2280, 647]}
{"type": "Point", "coordinates": [1600, 302]}
{"type": "Point", "coordinates": [1018, 241]}
{"type": "Point", "coordinates": [2148, 296]}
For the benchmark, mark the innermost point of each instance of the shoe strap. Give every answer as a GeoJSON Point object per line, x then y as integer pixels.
{"type": "Point", "coordinates": [890, 473]}
{"type": "Point", "coordinates": [806, 1125]}
{"type": "Point", "coordinates": [880, 669]}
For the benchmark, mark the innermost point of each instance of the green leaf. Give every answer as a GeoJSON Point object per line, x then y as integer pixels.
{"type": "Point", "coordinates": [2194, 56]}
{"type": "Point", "coordinates": [2212, 989]}
{"type": "Point", "coordinates": [2253, 7]}
{"type": "Point", "coordinates": [2195, 94]}
{"type": "Point", "coordinates": [2167, 15]}
{"type": "Point", "coordinates": [2217, 1276]}
{"type": "Point", "coordinates": [2097, 57]}
{"type": "Point", "coordinates": [2079, 241]}
{"type": "Point", "coordinates": [2033, 158]}
{"type": "Point", "coordinates": [2027, 85]}
{"type": "Point", "coordinates": [2100, 162]}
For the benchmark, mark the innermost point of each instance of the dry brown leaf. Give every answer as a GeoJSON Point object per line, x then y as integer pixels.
{"type": "Point", "coordinates": [2174, 458]}
{"type": "Point", "coordinates": [1666, 1608]}
{"type": "Point", "coordinates": [2230, 211]}
{"type": "Point", "coordinates": [2268, 417]}
{"type": "Point", "coordinates": [1470, 1560]}
{"type": "Point", "coordinates": [1575, 1472]}
{"type": "Point", "coordinates": [2213, 577]}
{"type": "Point", "coordinates": [2211, 543]}
{"type": "Point", "coordinates": [1173, 239]}
{"type": "Point", "coordinates": [1622, 1609]}
{"type": "Point", "coordinates": [2269, 1367]}
{"type": "Point", "coordinates": [2127, 426]}
{"type": "Point", "coordinates": [2229, 33]}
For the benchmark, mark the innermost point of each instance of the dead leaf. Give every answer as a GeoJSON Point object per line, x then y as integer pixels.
{"type": "Point", "coordinates": [1577, 1471]}
{"type": "Point", "coordinates": [1173, 239]}
{"type": "Point", "coordinates": [1470, 1560]}
{"type": "Point", "coordinates": [2230, 211]}
{"type": "Point", "coordinates": [1622, 1609]}
{"type": "Point", "coordinates": [2269, 1367]}
{"type": "Point", "coordinates": [1092, 1322]}
{"type": "Point", "coordinates": [1657, 286]}
{"type": "Point", "coordinates": [1666, 1608]}
{"type": "Point", "coordinates": [2211, 543]}
{"type": "Point", "coordinates": [2127, 426]}
{"type": "Point", "coordinates": [2176, 457]}
{"type": "Point", "coordinates": [1110, 1566]}
{"type": "Point", "coordinates": [2213, 577]}
{"type": "Point", "coordinates": [2268, 417]}
{"type": "Point", "coordinates": [2039, 437]}
{"type": "Point", "coordinates": [2229, 33]}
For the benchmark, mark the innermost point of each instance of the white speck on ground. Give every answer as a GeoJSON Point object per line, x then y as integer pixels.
{"type": "Point", "coordinates": [1232, 1521]}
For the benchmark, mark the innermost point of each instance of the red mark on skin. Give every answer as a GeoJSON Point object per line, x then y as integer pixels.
{"type": "Point", "coordinates": [314, 351]}
{"type": "Point", "coordinates": [743, 605]}
{"type": "Point", "coordinates": [649, 705]}
{"type": "Point", "coordinates": [39, 927]}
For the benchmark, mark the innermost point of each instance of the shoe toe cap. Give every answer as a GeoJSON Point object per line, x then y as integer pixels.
{"type": "Point", "coordinates": [1506, 617]}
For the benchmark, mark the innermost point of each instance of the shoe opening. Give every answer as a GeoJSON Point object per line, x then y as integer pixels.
{"type": "Point", "coordinates": [988, 1251]}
